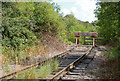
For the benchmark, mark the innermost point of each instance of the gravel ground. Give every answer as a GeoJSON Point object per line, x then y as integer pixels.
{"type": "Point", "coordinates": [93, 69]}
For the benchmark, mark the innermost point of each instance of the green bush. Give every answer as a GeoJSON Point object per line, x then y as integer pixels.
{"type": "Point", "coordinates": [15, 36]}
{"type": "Point", "coordinates": [114, 53]}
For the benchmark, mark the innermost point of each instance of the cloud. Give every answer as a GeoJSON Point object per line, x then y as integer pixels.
{"type": "Point", "coordinates": [65, 11]}
{"type": "Point", "coordinates": [82, 9]}
{"type": "Point", "coordinates": [86, 9]}
{"type": "Point", "coordinates": [86, 5]}
{"type": "Point", "coordinates": [74, 9]}
{"type": "Point", "coordinates": [64, 0]}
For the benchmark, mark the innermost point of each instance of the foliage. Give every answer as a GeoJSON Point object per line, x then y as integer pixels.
{"type": "Point", "coordinates": [114, 53]}
{"type": "Point", "coordinates": [14, 30]}
{"type": "Point", "coordinates": [25, 23]}
{"type": "Point", "coordinates": [108, 20]}
{"type": "Point", "coordinates": [72, 25]}
{"type": "Point", "coordinates": [109, 27]}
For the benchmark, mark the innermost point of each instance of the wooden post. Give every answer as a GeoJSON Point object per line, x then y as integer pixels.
{"type": "Point", "coordinates": [77, 41]}
{"type": "Point", "coordinates": [84, 40]}
{"type": "Point", "coordinates": [93, 41]}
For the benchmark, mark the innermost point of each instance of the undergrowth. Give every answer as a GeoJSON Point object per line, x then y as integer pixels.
{"type": "Point", "coordinates": [42, 72]}
{"type": "Point", "coordinates": [111, 68]}
{"type": "Point", "coordinates": [22, 55]}
{"type": "Point", "coordinates": [114, 53]}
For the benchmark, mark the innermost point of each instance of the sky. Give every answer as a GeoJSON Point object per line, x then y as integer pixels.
{"type": "Point", "coordinates": [82, 9]}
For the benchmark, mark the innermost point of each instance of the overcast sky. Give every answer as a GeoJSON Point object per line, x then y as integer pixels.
{"type": "Point", "coordinates": [82, 9]}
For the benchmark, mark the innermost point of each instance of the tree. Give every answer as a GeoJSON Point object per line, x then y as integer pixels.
{"type": "Point", "coordinates": [108, 20]}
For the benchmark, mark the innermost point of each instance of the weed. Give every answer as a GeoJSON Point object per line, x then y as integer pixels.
{"type": "Point", "coordinates": [28, 74]}
{"type": "Point", "coordinates": [54, 65]}
{"type": "Point", "coordinates": [44, 71]}
{"type": "Point", "coordinates": [69, 42]}
{"type": "Point", "coordinates": [91, 72]}
{"type": "Point", "coordinates": [6, 67]}
{"type": "Point", "coordinates": [22, 55]}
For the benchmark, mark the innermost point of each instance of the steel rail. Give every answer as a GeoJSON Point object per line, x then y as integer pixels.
{"type": "Point", "coordinates": [71, 64]}
{"type": "Point", "coordinates": [33, 65]}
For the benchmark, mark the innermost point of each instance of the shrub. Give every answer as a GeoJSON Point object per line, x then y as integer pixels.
{"type": "Point", "coordinates": [114, 53]}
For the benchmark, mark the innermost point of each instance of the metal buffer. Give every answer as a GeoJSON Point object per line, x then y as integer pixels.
{"type": "Point", "coordinates": [77, 35]}
{"type": "Point", "coordinates": [91, 34]}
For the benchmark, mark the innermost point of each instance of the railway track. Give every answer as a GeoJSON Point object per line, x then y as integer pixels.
{"type": "Point", "coordinates": [11, 75]}
{"type": "Point", "coordinates": [71, 64]}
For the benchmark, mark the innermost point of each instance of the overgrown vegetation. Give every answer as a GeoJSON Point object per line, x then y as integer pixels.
{"type": "Point", "coordinates": [109, 27]}
{"type": "Point", "coordinates": [25, 23]}
{"type": "Point", "coordinates": [108, 20]}
{"type": "Point", "coordinates": [43, 72]}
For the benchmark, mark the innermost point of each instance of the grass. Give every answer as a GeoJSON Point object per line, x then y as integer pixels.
{"type": "Point", "coordinates": [48, 67]}
{"type": "Point", "coordinates": [28, 74]}
{"type": "Point", "coordinates": [6, 67]}
{"type": "Point", "coordinates": [91, 72]}
{"type": "Point", "coordinates": [22, 55]}
{"type": "Point", "coordinates": [69, 42]}
{"type": "Point", "coordinates": [43, 72]}
{"type": "Point", "coordinates": [54, 65]}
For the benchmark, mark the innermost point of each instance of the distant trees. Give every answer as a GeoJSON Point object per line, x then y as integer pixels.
{"type": "Point", "coordinates": [72, 24]}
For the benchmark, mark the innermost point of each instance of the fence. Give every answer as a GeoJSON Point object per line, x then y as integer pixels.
{"type": "Point", "coordinates": [89, 40]}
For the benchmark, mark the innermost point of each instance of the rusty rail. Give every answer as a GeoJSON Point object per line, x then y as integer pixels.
{"type": "Point", "coordinates": [71, 64]}
{"type": "Point", "coordinates": [33, 65]}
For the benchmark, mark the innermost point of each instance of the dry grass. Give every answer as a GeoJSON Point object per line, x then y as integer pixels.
{"type": "Point", "coordinates": [54, 65]}
{"type": "Point", "coordinates": [23, 55]}
{"type": "Point", "coordinates": [48, 45]}
{"type": "Point", "coordinates": [43, 72]}
{"type": "Point", "coordinates": [28, 74]}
